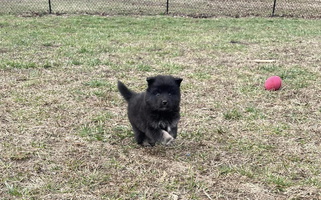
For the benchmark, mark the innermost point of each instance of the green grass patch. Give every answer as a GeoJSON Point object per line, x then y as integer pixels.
{"type": "Point", "coordinates": [17, 65]}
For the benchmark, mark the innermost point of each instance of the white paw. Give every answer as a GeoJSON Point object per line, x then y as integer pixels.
{"type": "Point", "coordinates": [167, 138]}
{"type": "Point", "coordinates": [146, 143]}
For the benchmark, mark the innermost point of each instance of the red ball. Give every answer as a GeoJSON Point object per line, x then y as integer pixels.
{"type": "Point", "coordinates": [273, 83]}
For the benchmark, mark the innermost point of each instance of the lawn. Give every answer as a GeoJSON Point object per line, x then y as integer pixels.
{"type": "Point", "coordinates": [64, 132]}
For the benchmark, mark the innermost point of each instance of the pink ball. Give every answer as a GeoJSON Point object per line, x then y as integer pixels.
{"type": "Point", "coordinates": [273, 83]}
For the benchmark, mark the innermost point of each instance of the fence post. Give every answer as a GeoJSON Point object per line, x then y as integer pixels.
{"type": "Point", "coordinates": [167, 6]}
{"type": "Point", "coordinates": [274, 5]}
{"type": "Point", "coordinates": [49, 1]}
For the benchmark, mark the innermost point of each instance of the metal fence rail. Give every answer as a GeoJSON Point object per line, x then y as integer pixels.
{"type": "Point", "coordinates": [194, 8]}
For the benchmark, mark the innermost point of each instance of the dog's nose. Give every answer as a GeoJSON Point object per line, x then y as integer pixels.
{"type": "Point", "coordinates": [164, 102]}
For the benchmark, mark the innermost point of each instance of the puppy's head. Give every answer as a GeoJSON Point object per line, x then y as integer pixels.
{"type": "Point", "coordinates": [163, 93]}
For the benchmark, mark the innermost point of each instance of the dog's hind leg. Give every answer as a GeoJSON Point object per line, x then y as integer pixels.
{"type": "Point", "coordinates": [139, 136]}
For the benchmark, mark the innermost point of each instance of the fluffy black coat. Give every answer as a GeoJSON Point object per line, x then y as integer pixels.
{"type": "Point", "coordinates": [154, 114]}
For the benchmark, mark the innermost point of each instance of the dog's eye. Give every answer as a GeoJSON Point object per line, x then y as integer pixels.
{"type": "Point", "coordinates": [169, 94]}
{"type": "Point", "coordinates": [157, 94]}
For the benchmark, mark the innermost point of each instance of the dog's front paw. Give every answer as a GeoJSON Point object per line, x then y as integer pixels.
{"type": "Point", "coordinates": [167, 138]}
{"type": "Point", "coordinates": [147, 143]}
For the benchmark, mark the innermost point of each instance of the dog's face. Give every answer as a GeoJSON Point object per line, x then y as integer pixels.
{"type": "Point", "coordinates": [163, 93]}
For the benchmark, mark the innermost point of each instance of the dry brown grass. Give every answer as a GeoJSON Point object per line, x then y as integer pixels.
{"type": "Point", "coordinates": [65, 135]}
{"type": "Point", "coordinates": [195, 8]}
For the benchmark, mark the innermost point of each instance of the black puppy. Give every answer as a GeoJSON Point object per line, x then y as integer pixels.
{"type": "Point", "coordinates": [154, 114]}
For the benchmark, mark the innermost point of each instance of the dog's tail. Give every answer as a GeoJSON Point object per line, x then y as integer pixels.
{"type": "Point", "coordinates": [124, 91]}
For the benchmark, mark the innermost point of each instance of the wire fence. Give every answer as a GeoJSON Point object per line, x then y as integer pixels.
{"type": "Point", "coordinates": [193, 8]}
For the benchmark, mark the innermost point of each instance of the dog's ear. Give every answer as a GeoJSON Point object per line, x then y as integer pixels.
{"type": "Point", "coordinates": [150, 80]}
{"type": "Point", "coordinates": [178, 81]}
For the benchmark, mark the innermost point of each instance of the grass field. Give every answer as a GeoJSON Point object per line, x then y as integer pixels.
{"type": "Point", "coordinates": [64, 132]}
{"type": "Point", "coordinates": [193, 8]}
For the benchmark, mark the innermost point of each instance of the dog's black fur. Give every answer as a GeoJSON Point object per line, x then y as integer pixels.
{"type": "Point", "coordinates": [154, 114]}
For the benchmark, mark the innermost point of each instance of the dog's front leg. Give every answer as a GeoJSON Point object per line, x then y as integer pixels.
{"type": "Point", "coordinates": [167, 138]}
{"type": "Point", "coordinates": [159, 135]}
{"type": "Point", "coordinates": [172, 131]}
